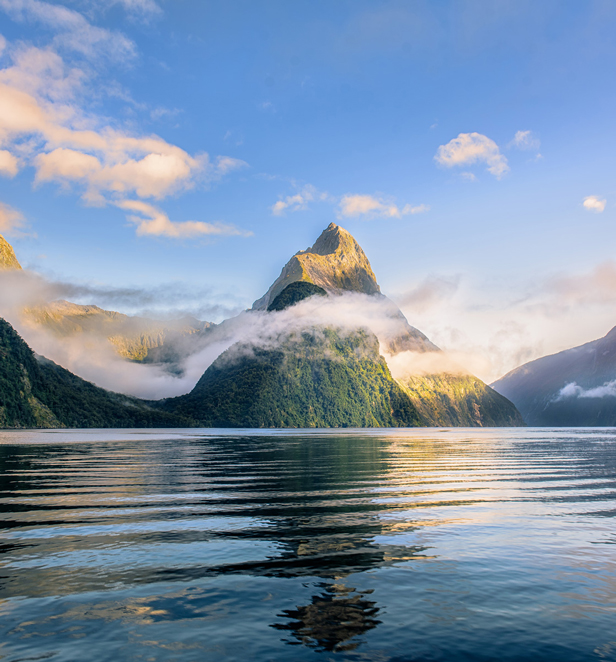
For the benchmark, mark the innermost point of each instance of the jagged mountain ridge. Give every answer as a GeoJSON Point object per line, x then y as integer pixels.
{"type": "Point", "coordinates": [536, 388]}
{"type": "Point", "coordinates": [336, 262]}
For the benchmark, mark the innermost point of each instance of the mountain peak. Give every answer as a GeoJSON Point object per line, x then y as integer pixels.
{"type": "Point", "coordinates": [336, 262]}
{"type": "Point", "coordinates": [7, 255]}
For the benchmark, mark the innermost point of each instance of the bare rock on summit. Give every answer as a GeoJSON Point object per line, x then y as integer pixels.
{"type": "Point", "coordinates": [7, 255]}
{"type": "Point", "coordinates": [336, 262]}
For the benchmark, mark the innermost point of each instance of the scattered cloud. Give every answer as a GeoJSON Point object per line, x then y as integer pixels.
{"type": "Point", "coordinates": [161, 113]}
{"type": "Point", "coordinates": [352, 206]}
{"type": "Point", "coordinates": [298, 201]}
{"type": "Point", "coordinates": [152, 221]}
{"type": "Point", "coordinates": [73, 32]}
{"type": "Point", "coordinates": [43, 123]}
{"type": "Point", "coordinates": [469, 148]}
{"type": "Point", "coordinates": [267, 106]}
{"type": "Point", "coordinates": [525, 140]}
{"type": "Point", "coordinates": [594, 204]}
{"type": "Point", "coordinates": [226, 164]}
{"type": "Point", "coordinates": [145, 8]}
{"type": "Point", "coordinates": [11, 220]}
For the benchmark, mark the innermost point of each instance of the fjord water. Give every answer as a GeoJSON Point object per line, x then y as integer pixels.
{"type": "Point", "coordinates": [384, 545]}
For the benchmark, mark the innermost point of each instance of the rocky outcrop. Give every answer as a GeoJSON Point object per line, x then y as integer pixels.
{"type": "Point", "coordinates": [7, 255]}
{"type": "Point", "coordinates": [335, 263]}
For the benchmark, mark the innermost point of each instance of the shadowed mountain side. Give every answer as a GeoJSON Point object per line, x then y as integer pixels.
{"type": "Point", "coordinates": [572, 388]}
{"type": "Point", "coordinates": [453, 400]}
{"type": "Point", "coordinates": [37, 393]}
{"type": "Point", "coordinates": [294, 293]}
{"type": "Point", "coordinates": [318, 378]}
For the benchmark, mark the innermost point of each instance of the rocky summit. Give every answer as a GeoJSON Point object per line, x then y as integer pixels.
{"type": "Point", "coordinates": [335, 263]}
{"type": "Point", "coordinates": [7, 255]}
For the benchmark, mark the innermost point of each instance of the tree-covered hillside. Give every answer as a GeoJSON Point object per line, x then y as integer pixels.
{"type": "Point", "coordinates": [317, 378]}
{"type": "Point", "coordinates": [35, 392]}
{"type": "Point", "coordinates": [447, 399]}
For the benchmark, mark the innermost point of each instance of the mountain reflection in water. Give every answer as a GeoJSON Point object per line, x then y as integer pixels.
{"type": "Point", "coordinates": [332, 619]}
{"type": "Point", "coordinates": [374, 545]}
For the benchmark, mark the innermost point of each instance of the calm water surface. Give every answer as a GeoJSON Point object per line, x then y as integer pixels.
{"type": "Point", "coordinates": [357, 545]}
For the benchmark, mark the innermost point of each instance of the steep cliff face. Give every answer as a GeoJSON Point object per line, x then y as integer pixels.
{"type": "Point", "coordinates": [335, 263]}
{"type": "Point", "coordinates": [7, 255]}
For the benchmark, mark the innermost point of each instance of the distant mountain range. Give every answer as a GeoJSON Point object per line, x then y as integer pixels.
{"type": "Point", "coordinates": [297, 369]}
{"type": "Point", "coordinates": [576, 387]}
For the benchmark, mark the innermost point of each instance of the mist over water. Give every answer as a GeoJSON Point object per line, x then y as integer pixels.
{"type": "Point", "coordinates": [362, 545]}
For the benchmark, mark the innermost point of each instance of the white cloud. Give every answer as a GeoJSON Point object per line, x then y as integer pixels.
{"type": "Point", "coordinates": [352, 206]}
{"type": "Point", "coordinates": [73, 31]}
{"type": "Point", "coordinates": [574, 390]}
{"type": "Point", "coordinates": [470, 148]}
{"type": "Point", "coordinates": [299, 200]}
{"type": "Point", "coordinates": [153, 222]}
{"type": "Point", "coordinates": [593, 203]}
{"type": "Point", "coordinates": [40, 115]}
{"type": "Point", "coordinates": [9, 166]}
{"type": "Point", "coordinates": [225, 164]}
{"type": "Point", "coordinates": [142, 7]}
{"type": "Point", "coordinates": [10, 219]}
{"type": "Point", "coordinates": [525, 140]}
{"type": "Point", "coordinates": [2, 44]}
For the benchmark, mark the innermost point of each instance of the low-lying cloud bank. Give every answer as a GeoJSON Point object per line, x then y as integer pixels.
{"type": "Point", "coordinates": [90, 356]}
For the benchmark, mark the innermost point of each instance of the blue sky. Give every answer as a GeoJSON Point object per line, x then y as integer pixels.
{"type": "Point", "coordinates": [468, 146]}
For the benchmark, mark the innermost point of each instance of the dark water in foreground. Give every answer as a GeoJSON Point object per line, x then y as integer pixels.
{"type": "Point", "coordinates": [358, 545]}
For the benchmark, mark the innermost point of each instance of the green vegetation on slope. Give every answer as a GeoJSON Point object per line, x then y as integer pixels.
{"type": "Point", "coordinates": [294, 293]}
{"type": "Point", "coordinates": [314, 379]}
{"type": "Point", "coordinates": [38, 393]}
{"type": "Point", "coordinates": [448, 400]}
